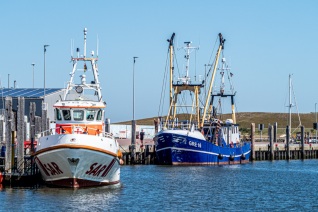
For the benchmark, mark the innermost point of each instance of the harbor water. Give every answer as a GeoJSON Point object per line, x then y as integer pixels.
{"type": "Point", "coordinates": [257, 186]}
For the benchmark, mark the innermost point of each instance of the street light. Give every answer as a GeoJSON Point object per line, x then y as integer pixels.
{"type": "Point", "coordinates": [33, 64]}
{"type": "Point", "coordinates": [134, 87]}
{"type": "Point", "coordinates": [44, 70]}
{"type": "Point", "coordinates": [133, 122]}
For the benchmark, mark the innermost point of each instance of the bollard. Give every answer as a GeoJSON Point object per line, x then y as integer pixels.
{"type": "Point", "coordinates": [302, 130]}
{"type": "Point", "coordinates": [252, 157]}
{"type": "Point", "coordinates": [270, 137]}
{"type": "Point", "coordinates": [287, 142]}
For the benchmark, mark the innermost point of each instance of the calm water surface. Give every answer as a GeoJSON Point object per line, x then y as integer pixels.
{"type": "Point", "coordinates": [258, 186]}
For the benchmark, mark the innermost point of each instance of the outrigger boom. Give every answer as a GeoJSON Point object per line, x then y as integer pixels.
{"type": "Point", "coordinates": [221, 46]}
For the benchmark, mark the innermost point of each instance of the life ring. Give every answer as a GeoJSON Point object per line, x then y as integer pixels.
{"type": "Point", "coordinates": [231, 158]}
{"type": "Point", "coordinates": [220, 156]}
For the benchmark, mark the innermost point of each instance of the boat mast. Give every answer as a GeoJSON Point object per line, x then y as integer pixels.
{"type": "Point", "coordinates": [221, 46]}
{"type": "Point", "coordinates": [222, 89]}
{"type": "Point", "coordinates": [181, 85]}
{"type": "Point", "coordinates": [85, 33]}
{"type": "Point", "coordinates": [289, 106]}
{"type": "Point", "coordinates": [93, 85]}
{"type": "Point", "coordinates": [171, 64]}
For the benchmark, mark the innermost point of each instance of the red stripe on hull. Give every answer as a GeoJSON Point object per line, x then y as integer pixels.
{"type": "Point", "coordinates": [78, 183]}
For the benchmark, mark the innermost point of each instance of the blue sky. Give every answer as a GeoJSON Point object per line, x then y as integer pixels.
{"type": "Point", "coordinates": [265, 42]}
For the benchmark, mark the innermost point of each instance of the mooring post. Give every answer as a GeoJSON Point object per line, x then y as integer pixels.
{"type": "Point", "coordinates": [252, 157]}
{"type": "Point", "coordinates": [2, 124]}
{"type": "Point", "coordinates": [302, 140]}
{"type": "Point", "coordinates": [32, 109]}
{"type": "Point", "coordinates": [275, 132]}
{"type": "Point", "coordinates": [8, 127]}
{"type": "Point", "coordinates": [133, 141]}
{"type": "Point", "coordinates": [270, 138]}
{"type": "Point", "coordinates": [44, 130]}
{"type": "Point", "coordinates": [275, 139]}
{"type": "Point", "coordinates": [287, 142]}
{"type": "Point", "coordinates": [20, 134]}
{"type": "Point", "coordinates": [13, 137]}
{"type": "Point", "coordinates": [155, 122]}
{"type": "Point", "coordinates": [32, 124]}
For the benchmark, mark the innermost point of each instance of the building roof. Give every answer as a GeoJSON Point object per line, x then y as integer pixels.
{"type": "Point", "coordinates": [27, 92]}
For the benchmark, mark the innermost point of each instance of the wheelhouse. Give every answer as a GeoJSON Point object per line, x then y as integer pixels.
{"type": "Point", "coordinates": [78, 114]}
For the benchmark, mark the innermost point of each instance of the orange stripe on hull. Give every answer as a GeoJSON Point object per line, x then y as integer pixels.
{"type": "Point", "coordinates": [72, 146]}
{"type": "Point", "coordinates": [78, 106]}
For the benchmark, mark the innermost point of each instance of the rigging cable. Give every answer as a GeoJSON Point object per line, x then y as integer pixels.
{"type": "Point", "coordinates": [163, 90]}
{"type": "Point", "coordinates": [212, 56]}
{"type": "Point", "coordinates": [296, 105]}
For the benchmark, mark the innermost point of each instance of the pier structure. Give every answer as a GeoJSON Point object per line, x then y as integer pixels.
{"type": "Point", "coordinates": [287, 150]}
{"type": "Point", "coordinates": [18, 141]}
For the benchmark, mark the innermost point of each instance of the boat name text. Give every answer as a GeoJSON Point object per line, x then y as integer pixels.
{"type": "Point", "coordinates": [52, 168]}
{"type": "Point", "coordinates": [96, 169]}
{"type": "Point", "coordinates": [195, 144]}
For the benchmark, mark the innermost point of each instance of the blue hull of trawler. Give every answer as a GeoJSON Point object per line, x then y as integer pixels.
{"type": "Point", "coordinates": [175, 149]}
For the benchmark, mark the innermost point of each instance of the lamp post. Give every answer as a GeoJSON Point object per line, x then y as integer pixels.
{"type": "Point", "coordinates": [33, 64]}
{"type": "Point", "coordinates": [44, 70]}
{"type": "Point", "coordinates": [133, 122]}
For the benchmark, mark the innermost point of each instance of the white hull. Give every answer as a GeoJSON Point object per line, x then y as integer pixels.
{"type": "Point", "coordinates": [78, 160]}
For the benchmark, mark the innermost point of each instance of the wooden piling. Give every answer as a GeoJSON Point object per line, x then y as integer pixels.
{"type": "Point", "coordinates": [275, 132]}
{"type": "Point", "coordinates": [252, 157]}
{"type": "Point", "coordinates": [20, 134]}
{"type": "Point", "coordinates": [287, 143]}
{"type": "Point", "coordinates": [270, 137]}
{"type": "Point", "coordinates": [44, 125]}
{"type": "Point", "coordinates": [13, 137]}
{"type": "Point", "coordinates": [302, 141]}
{"type": "Point", "coordinates": [32, 124]}
{"type": "Point", "coordinates": [133, 141]}
{"type": "Point", "coordinates": [8, 139]}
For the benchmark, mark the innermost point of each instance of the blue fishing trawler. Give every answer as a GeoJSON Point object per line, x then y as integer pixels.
{"type": "Point", "coordinates": [193, 132]}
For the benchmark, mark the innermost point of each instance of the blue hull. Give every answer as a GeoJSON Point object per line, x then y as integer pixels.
{"type": "Point", "coordinates": [175, 149]}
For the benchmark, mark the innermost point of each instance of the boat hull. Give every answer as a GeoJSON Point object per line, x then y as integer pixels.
{"type": "Point", "coordinates": [72, 160]}
{"type": "Point", "coordinates": [182, 149]}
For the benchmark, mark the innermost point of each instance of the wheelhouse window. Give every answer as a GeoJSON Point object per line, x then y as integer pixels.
{"type": "Point", "coordinates": [58, 114]}
{"type": "Point", "coordinates": [78, 115]}
{"type": "Point", "coordinates": [66, 114]}
{"type": "Point", "coordinates": [99, 115]}
{"type": "Point", "coordinates": [90, 115]}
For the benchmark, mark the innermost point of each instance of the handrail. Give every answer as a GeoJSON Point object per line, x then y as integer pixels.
{"type": "Point", "coordinates": [105, 134]}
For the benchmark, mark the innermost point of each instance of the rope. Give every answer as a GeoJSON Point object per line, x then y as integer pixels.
{"type": "Point", "coordinates": [296, 105]}
{"type": "Point", "coordinates": [163, 89]}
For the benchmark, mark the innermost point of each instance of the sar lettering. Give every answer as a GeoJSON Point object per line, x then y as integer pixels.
{"type": "Point", "coordinates": [96, 169]}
